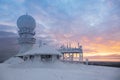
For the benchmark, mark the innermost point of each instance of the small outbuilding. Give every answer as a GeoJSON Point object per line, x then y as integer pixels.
{"type": "Point", "coordinates": [42, 53]}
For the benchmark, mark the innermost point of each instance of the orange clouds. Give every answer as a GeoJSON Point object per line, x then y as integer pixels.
{"type": "Point", "coordinates": [109, 57]}
{"type": "Point", "coordinates": [98, 49]}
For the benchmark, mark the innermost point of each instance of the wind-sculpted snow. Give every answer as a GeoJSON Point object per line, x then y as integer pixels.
{"type": "Point", "coordinates": [57, 71]}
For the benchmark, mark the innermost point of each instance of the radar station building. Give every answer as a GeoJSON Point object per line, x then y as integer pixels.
{"type": "Point", "coordinates": [29, 50]}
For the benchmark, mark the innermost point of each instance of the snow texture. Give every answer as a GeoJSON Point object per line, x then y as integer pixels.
{"type": "Point", "coordinates": [57, 71]}
{"type": "Point", "coordinates": [14, 60]}
{"type": "Point", "coordinates": [44, 49]}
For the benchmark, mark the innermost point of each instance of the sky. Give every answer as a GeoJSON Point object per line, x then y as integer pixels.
{"type": "Point", "coordinates": [95, 24]}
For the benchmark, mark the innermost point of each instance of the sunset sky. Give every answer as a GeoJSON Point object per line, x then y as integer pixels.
{"type": "Point", "coordinates": [95, 24]}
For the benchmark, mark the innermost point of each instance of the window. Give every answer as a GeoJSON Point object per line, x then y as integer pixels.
{"type": "Point", "coordinates": [46, 57]}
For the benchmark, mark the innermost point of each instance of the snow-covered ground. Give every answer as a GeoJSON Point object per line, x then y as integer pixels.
{"type": "Point", "coordinates": [57, 71]}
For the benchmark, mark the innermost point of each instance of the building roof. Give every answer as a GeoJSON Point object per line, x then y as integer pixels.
{"type": "Point", "coordinates": [44, 49]}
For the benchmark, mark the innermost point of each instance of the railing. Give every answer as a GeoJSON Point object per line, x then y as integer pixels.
{"type": "Point", "coordinates": [26, 32]}
{"type": "Point", "coordinates": [71, 50]}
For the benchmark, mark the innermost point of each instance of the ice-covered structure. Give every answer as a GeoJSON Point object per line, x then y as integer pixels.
{"type": "Point", "coordinates": [26, 25]}
{"type": "Point", "coordinates": [72, 54]}
{"type": "Point", "coordinates": [30, 51]}
{"type": "Point", "coordinates": [42, 53]}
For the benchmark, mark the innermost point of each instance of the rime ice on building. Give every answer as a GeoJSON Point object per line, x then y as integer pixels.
{"type": "Point", "coordinates": [72, 54]}
{"type": "Point", "coordinates": [30, 51]}
{"type": "Point", "coordinates": [26, 25]}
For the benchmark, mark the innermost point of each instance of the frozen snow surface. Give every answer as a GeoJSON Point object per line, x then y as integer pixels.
{"type": "Point", "coordinates": [57, 71]}
{"type": "Point", "coordinates": [14, 60]}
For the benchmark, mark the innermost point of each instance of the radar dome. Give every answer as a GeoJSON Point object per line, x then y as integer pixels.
{"type": "Point", "coordinates": [26, 21]}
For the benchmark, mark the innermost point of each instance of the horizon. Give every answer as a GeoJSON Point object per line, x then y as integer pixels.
{"type": "Point", "coordinates": [92, 23]}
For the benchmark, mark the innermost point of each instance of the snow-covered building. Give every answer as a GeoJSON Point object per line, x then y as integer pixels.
{"type": "Point", "coordinates": [26, 25]}
{"type": "Point", "coordinates": [42, 53]}
{"type": "Point", "coordinates": [30, 51]}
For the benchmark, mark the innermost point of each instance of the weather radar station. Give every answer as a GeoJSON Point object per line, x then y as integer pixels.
{"type": "Point", "coordinates": [30, 50]}
{"type": "Point", "coordinates": [26, 25]}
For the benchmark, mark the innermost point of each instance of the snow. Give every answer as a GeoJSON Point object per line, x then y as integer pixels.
{"type": "Point", "coordinates": [57, 71]}
{"type": "Point", "coordinates": [44, 49]}
{"type": "Point", "coordinates": [14, 60]}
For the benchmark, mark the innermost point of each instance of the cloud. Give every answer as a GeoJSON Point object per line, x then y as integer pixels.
{"type": "Point", "coordinates": [7, 34]}
{"type": "Point", "coordinates": [8, 48]}
{"type": "Point", "coordinates": [93, 23]}
{"type": "Point", "coordinates": [8, 28]}
{"type": "Point", "coordinates": [112, 57]}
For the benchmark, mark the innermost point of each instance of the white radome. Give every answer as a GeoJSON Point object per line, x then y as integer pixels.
{"type": "Point", "coordinates": [26, 21]}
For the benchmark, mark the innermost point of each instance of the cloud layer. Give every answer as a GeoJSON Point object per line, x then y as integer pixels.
{"type": "Point", "coordinates": [93, 23]}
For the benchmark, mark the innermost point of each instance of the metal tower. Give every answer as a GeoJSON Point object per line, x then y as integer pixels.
{"type": "Point", "coordinates": [72, 54]}
{"type": "Point", "coordinates": [26, 25]}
